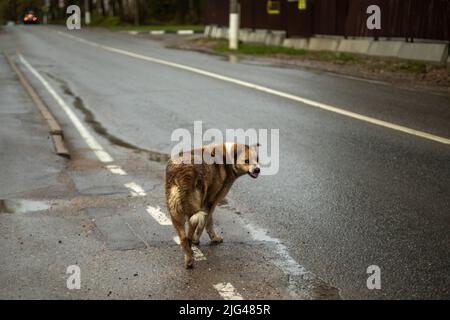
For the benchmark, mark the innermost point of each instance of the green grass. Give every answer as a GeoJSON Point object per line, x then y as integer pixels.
{"type": "Point", "coordinates": [374, 64]}
{"type": "Point", "coordinates": [405, 66]}
{"type": "Point", "coordinates": [113, 23]}
{"type": "Point", "coordinates": [255, 49]}
{"type": "Point", "coordinates": [105, 22]}
{"type": "Point", "coordinates": [415, 67]}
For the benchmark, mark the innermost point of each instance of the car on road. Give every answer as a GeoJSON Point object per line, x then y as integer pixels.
{"type": "Point", "coordinates": [30, 18]}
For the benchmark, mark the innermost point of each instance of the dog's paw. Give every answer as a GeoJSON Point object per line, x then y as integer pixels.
{"type": "Point", "coordinates": [216, 240]}
{"type": "Point", "coordinates": [189, 263]}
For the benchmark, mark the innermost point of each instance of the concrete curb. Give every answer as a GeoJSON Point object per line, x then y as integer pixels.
{"type": "Point", "coordinates": [385, 48]}
{"type": "Point", "coordinates": [161, 32]}
{"type": "Point", "coordinates": [354, 46]}
{"type": "Point", "coordinates": [323, 44]}
{"type": "Point", "coordinates": [275, 38]}
{"type": "Point", "coordinates": [417, 51]}
{"type": "Point", "coordinates": [430, 52]}
{"type": "Point", "coordinates": [54, 127]}
{"type": "Point", "coordinates": [296, 43]}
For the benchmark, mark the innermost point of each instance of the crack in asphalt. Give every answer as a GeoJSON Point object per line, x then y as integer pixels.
{"type": "Point", "coordinates": [90, 119]}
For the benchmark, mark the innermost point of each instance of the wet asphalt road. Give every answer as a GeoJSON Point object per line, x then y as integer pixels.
{"type": "Point", "coordinates": [348, 194]}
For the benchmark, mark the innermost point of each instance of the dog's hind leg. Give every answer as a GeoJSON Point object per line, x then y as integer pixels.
{"type": "Point", "coordinates": [196, 225]}
{"type": "Point", "coordinates": [185, 243]}
{"type": "Point", "coordinates": [210, 230]}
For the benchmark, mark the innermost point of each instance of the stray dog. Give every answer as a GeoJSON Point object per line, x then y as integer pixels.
{"type": "Point", "coordinates": [195, 185]}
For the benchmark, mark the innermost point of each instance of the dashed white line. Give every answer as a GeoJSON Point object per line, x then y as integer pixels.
{"type": "Point", "coordinates": [158, 215]}
{"type": "Point", "coordinates": [101, 154]}
{"type": "Point", "coordinates": [116, 169]}
{"type": "Point", "coordinates": [198, 255]}
{"type": "Point", "coordinates": [136, 190]}
{"type": "Point", "coordinates": [227, 291]}
{"type": "Point", "coordinates": [274, 92]}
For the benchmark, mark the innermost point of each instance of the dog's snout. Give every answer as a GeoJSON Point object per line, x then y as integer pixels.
{"type": "Point", "coordinates": [256, 170]}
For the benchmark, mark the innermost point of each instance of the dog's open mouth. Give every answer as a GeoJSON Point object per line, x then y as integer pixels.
{"type": "Point", "coordinates": [253, 174]}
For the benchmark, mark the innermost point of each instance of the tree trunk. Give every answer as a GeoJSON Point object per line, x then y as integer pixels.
{"type": "Point", "coordinates": [136, 12]}
{"type": "Point", "coordinates": [181, 11]}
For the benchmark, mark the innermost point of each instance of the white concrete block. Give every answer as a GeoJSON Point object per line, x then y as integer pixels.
{"type": "Point", "coordinates": [360, 46]}
{"type": "Point", "coordinates": [275, 38]}
{"type": "Point", "coordinates": [296, 43]}
{"type": "Point", "coordinates": [244, 35]}
{"type": "Point", "coordinates": [207, 31]}
{"type": "Point", "coordinates": [430, 52]}
{"type": "Point", "coordinates": [260, 35]}
{"type": "Point", "coordinates": [385, 48]}
{"type": "Point", "coordinates": [213, 32]}
{"type": "Point", "coordinates": [326, 44]}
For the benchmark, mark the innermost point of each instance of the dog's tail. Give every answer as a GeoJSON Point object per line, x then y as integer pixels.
{"type": "Point", "coordinates": [198, 220]}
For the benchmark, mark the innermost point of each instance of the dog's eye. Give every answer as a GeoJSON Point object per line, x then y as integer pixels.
{"type": "Point", "coordinates": [246, 161]}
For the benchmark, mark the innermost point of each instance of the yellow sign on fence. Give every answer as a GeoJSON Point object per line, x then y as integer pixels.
{"type": "Point", "coordinates": [273, 7]}
{"type": "Point", "coordinates": [301, 4]}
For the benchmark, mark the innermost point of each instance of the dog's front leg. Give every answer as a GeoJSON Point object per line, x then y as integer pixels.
{"type": "Point", "coordinates": [210, 230]}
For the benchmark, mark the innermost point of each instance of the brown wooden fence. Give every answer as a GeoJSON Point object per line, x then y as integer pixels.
{"type": "Point", "coordinates": [424, 19]}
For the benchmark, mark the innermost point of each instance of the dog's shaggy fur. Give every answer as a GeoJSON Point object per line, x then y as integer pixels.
{"type": "Point", "coordinates": [194, 190]}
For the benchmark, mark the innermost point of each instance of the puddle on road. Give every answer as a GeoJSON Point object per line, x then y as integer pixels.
{"type": "Point", "coordinates": [22, 206]}
{"type": "Point", "coordinates": [232, 58]}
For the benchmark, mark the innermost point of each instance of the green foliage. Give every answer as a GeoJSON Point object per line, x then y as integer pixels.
{"type": "Point", "coordinates": [415, 67]}
{"type": "Point", "coordinates": [106, 22]}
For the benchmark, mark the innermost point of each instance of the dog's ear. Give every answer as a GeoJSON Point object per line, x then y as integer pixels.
{"type": "Point", "coordinates": [218, 150]}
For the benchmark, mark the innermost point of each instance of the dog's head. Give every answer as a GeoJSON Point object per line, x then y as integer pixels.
{"type": "Point", "coordinates": [246, 160]}
{"type": "Point", "coordinates": [241, 158]}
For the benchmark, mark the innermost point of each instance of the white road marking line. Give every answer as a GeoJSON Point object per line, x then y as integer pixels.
{"type": "Point", "coordinates": [285, 262]}
{"type": "Point", "coordinates": [157, 32]}
{"type": "Point", "coordinates": [116, 169]}
{"type": "Point", "coordinates": [227, 291]}
{"type": "Point", "coordinates": [158, 215]}
{"type": "Point", "coordinates": [198, 255]}
{"type": "Point", "coordinates": [136, 190]}
{"type": "Point", "coordinates": [133, 32]}
{"type": "Point", "coordinates": [274, 92]}
{"type": "Point", "coordinates": [101, 154]}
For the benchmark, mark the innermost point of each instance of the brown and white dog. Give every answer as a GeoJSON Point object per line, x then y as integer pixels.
{"type": "Point", "coordinates": [194, 190]}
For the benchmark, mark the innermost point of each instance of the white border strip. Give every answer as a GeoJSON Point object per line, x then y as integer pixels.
{"type": "Point", "coordinates": [198, 255]}
{"type": "Point", "coordinates": [227, 291]}
{"type": "Point", "coordinates": [274, 92]}
{"type": "Point", "coordinates": [116, 169]}
{"type": "Point", "coordinates": [185, 32]}
{"type": "Point", "coordinates": [156, 32]}
{"type": "Point", "coordinates": [136, 190]}
{"type": "Point", "coordinates": [158, 215]}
